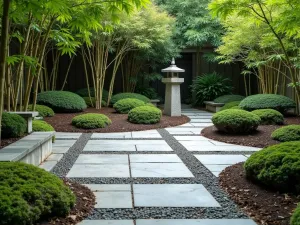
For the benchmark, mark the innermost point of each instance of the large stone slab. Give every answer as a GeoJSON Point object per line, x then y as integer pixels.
{"type": "Point", "coordinates": [193, 120]}
{"type": "Point", "coordinates": [64, 143]}
{"type": "Point", "coordinates": [184, 130]}
{"type": "Point", "coordinates": [191, 138]}
{"type": "Point", "coordinates": [172, 195]}
{"type": "Point", "coordinates": [214, 148]}
{"type": "Point", "coordinates": [155, 148]}
{"type": "Point", "coordinates": [113, 199]}
{"type": "Point", "coordinates": [66, 135]}
{"type": "Point", "coordinates": [197, 222]}
{"type": "Point", "coordinates": [220, 159]}
{"type": "Point", "coordinates": [146, 134]}
{"type": "Point", "coordinates": [154, 158]}
{"type": "Point", "coordinates": [106, 222]}
{"type": "Point", "coordinates": [102, 159]}
{"type": "Point", "coordinates": [108, 187]}
{"type": "Point", "coordinates": [109, 148]}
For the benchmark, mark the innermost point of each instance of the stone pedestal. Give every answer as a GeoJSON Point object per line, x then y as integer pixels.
{"type": "Point", "coordinates": [172, 98]}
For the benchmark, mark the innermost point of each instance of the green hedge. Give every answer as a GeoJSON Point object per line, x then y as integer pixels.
{"type": "Point", "coordinates": [85, 93]}
{"type": "Point", "coordinates": [287, 133]}
{"type": "Point", "coordinates": [277, 167]}
{"type": "Point", "coordinates": [62, 101]}
{"type": "Point", "coordinates": [91, 102]}
{"type": "Point", "coordinates": [28, 193]}
{"type": "Point", "coordinates": [42, 126]}
{"type": "Point", "coordinates": [295, 219]}
{"type": "Point", "coordinates": [91, 121]}
{"type": "Point", "coordinates": [120, 96]}
{"type": "Point", "coordinates": [230, 105]}
{"type": "Point", "coordinates": [269, 116]}
{"type": "Point", "coordinates": [127, 104]}
{"type": "Point", "coordinates": [235, 121]}
{"type": "Point", "coordinates": [13, 125]}
{"type": "Point", "coordinates": [44, 111]}
{"type": "Point", "coordinates": [229, 98]}
{"type": "Point", "coordinates": [144, 115]}
{"type": "Point", "coordinates": [267, 101]}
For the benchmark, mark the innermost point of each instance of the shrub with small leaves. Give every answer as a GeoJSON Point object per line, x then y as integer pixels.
{"type": "Point", "coordinates": [269, 116]}
{"type": "Point", "coordinates": [91, 121]}
{"type": "Point", "coordinates": [13, 125]}
{"type": "Point", "coordinates": [44, 111]}
{"type": "Point", "coordinates": [42, 126]}
{"type": "Point", "coordinates": [287, 133]}
{"type": "Point", "coordinates": [295, 219]}
{"type": "Point", "coordinates": [229, 98]}
{"type": "Point", "coordinates": [127, 104]}
{"type": "Point", "coordinates": [120, 96]}
{"type": "Point", "coordinates": [144, 115]}
{"type": "Point", "coordinates": [231, 105]}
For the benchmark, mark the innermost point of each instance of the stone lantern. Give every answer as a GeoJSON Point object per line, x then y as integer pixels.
{"type": "Point", "coordinates": [172, 97]}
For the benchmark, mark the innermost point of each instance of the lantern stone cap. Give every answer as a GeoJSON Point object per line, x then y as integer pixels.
{"type": "Point", "coordinates": [173, 68]}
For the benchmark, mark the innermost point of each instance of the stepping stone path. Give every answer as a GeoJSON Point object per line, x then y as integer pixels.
{"type": "Point", "coordinates": [156, 177]}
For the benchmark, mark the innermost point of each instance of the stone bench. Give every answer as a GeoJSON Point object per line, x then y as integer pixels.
{"type": "Point", "coordinates": [29, 117]}
{"type": "Point", "coordinates": [32, 149]}
{"type": "Point", "coordinates": [154, 101]}
{"type": "Point", "coordinates": [212, 106]}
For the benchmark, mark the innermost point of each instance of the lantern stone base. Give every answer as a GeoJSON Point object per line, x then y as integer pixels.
{"type": "Point", "coordinates": [172, 97]}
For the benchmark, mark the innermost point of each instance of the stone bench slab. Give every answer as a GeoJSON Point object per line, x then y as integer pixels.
{"type": "Point", "coordinates": [213, 106]}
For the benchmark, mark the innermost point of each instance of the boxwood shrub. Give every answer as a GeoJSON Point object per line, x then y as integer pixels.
{"type": "Point", "coordinates": [144, 115]}
{"type": "Point", "coordinates": [42, 126]}
{"type": "Point", "coordinates": [91, 101]}
{"type": "Point", "coordinates": [62, 101]}
{"type": "Point", "coordinates": [84, 92]}
{"type": "Point", "coordinates": [295, 219]}
{"type": "Point", "coordinates": [269, 116]}
{"type": "Point", "coordinates": [127, 104]}
{"type": "Point", "coordinates": [277, 167]}
{"type": "Point", "coordinates": [13, 126]}
{"type": "Point", "coordinates": [235, 121]}
{"type": "Point", "coordinates": [230, 105]}
{"type": "Point", "coordinates": [91, 121]}
{"type": "Point", "coordinates": [287, 133]}
{"type": "Point", "coordinates": [120, 96]}
{"type": "Point", "coordinates": [229, 98]}
{"type": "Point", "coordinates": [28, 193]}
{"type": "Point", "coordinates": [44, 111]}
{"type": "Point", "coordinates": [267, 101]}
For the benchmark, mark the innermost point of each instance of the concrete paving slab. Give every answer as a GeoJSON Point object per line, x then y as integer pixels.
{"type": "Point", "coordinates": [48, 165]}
{"type": "Point", "coordinates": [102, 159]}
{"type": "Point", "coordinates": [193, 120]}
{"type": "Point", "coordinates": [119, 135]}
{"type": "Point", "coordinates": [106, 222]}
{"type": "Point", "coordinates": [220, 159]}
{"type": "Point", "coordinates": [155, 148]}
{"type": "Point", "coordinates": [153, 158]}
{"type": "Point", "coordinates": [67, 135]}
{"type": "Point", "coordinates": [109, 148]}
{"type": "Point", "coordinates": [60, 150]}
{"type": "Point", "coordinates": [191, 138]}
{"type": "Point", "coordinates": [109, 187]}
{"type": "Point", "coordinates": [221, 148]}
{"type": "Point", "coordinates": [55, 157]}
{"type": "Point", "coordinates": [116, 200]}
{"type": "Point", "coordinates": [196, 222]}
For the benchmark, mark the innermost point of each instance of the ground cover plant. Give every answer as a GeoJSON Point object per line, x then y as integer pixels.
{"type": "Point", "coordinates": [229, 98]}
{"type": "Point", "coordinates": [13, 125]}
{"type": "Point", "coordinates": [269, 116]}
{"type": "Point", "coordinates": [230, 105]}
{"type": "Point", "coordinates": [127, 104]}
{"type": "Point", "coordinates": [120, 96]}
{"type": "Point", "coordinates": [29, 194]}
{"type": "Point", "coordinates": [91, 121]}
{"type": "Point", "coordinates": [295, 220]}
{"type": "Point", "coordinates": [287, 133]}
{"type": "Point", "coordinates": [43, 110]}
{"type": "Point", "coordinates": [144, 115]}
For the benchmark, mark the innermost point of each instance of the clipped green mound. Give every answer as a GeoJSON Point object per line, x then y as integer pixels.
{"type": "Point", "coordinates": [84, 92]}
{"type": "Point", "coordinates": [91, 121]}
{"type": "Point", "coordinates": [269, 116]}
{"type": "Point", "coordinates": [287, 133]}
{"type": "Point", "coordinates": [120, 96]}
{"type": "Point", "coordinates": [295, 219]}
{"type": "Point", "coordinates": [44, 111]}
{"type": "Point", "coordinates": [267, 101]}
{"type": "Point", "coordinates": [42, 126]}
{"type": "Point", "coordinates": [144, 115]}
{"type": "Point", "coordinates": [12, 126]}
{"type": "Point", "coordinates": [28, 193]}
{"type": "Point", "coordinates": [62, 101]}
{"type": "Point", "coordinates": [277, 167]}
{"type": "Point", "coordinates": [127, 104]}
{"type": "Point", "coordinates": [231, 105]}
{"type": "Point", "coordinates": [229, 98]}
{"type": "Point", "coordinates": [91, 102]}
{"type": "Point", "coordinates": [236, 121]}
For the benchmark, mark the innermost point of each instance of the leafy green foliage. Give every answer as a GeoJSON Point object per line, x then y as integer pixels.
{"type": "Point", "coordinates": [287, 133]}
{"type": "Point", "coordinates": [84, 92]}
{"type": "Point", "coordinates": [120, 96]}
{"type": "Point", "coordinates": [269, 116]}
{"type": "Point", "coordinates": [144, 115]}
{"type": "Point", "coordinates": [91, 121]}
{"type": "Point", "coordinates": [40, 126]}
{"type": "Point", "coordinates": [125, 105]}
{"type": "Point", "coordinates": [231, 105]}
{"type": "Point", "coordinates": [229, 98]}
{"type": "Point", "coordinates": [147, 91]}
{"type": "Point", "coordinates": [210, 86]}
{"type": "Point", "coordinates": [267, 101]}
{"type": "Point", "coordinates": [277, 167]}
{"type": "Point", "coordinates": [28, 193]}
{"type": "Point", "coordinates": [62, 101]}
{"type": "Point", "coordinates": [295, 219]}
{"type": "Point", "coordinates": [91, 101]}
{"type": "Point", "coordinates": [236, 121]}
{"type": "Point", "coordinates": [44, 111]}
{"type": "Point", "coordinates": [13, 125]}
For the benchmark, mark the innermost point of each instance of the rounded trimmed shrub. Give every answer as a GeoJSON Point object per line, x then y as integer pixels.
{"type": "Point", "coordinates": [91, 121]}
{"type": "Point", "coordinates": [229, 98]}
{"type": "Point", "coordinates": [44, 111]}
{"type": "Point", "coordinates": [277, 167]}
{"type": "Point", "coordinates": [127, 104]}
{"type": "Point", "coordinates": [42, 126]}
{"type": "Point", "coordinates": [231, 105]}
{"type": "Point", "coordinates": [267, 101]}
{"type": "Point", "coordinates": [84, 92]}
{"type": "Point", "coordinates": [120, 96]}
{"type": "Point", "coordinates": [295, 219]}
{"type": "Point", "coordinates": [236, 121]}
{"type": "Point", "coordinates": [269, 116]}
{"type": "Point", "coordinates": [91, 102]}
{"type": "Point", "coordinates": [62, 101]}
{"type": "Point", "coordinates": [28, 193]}
{"type": "Point", "coordinates": [287, 133]}
{"type": "Point", "coordinates": [144, 115]}
{"type": "Point", "coordinates": [13, 125]}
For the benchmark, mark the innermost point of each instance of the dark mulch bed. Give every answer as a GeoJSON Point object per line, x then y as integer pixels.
{"type": "Point", "coordinates": [62, 122]}
{"type": "Point", "coordinates": [85, 202]}
{"type": "Point", "coordinates": [261, 138]}
{"type": "Point", "coordinates": [264, 206]}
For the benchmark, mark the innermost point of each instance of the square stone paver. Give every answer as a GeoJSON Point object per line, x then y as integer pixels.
{"type": "Point", "coordinates": [102, 159]}
{"type": "Point", "coordinates": [172, 195]}
{"type": "Point", "coordinates": [106, 222]}
{"type": "Point", "coordinates": [159, 170]}
{"type": "Point", "coordinates": [197, 222]}
{"type": "Point", "coordinates": [154, 158]}
{"type": "Point", "coordinates": [63, 143]}
{"type": "Point", "coordinates": [191, 138]}
{"type": "Point", "coordinates": [117, 135]}
{"type": "Point", "coordinates": [66, 135]}
{"type": "Point", "coordinates": [220, 159]}
{"type": "Point", "coordinates": [109, 148]}
{"type": "Point", "coordinates": [155, 148]}
{"type": "Point", "coordinates": [146, 134]}
{"type": "Point", "coordinates": [184, 130]}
